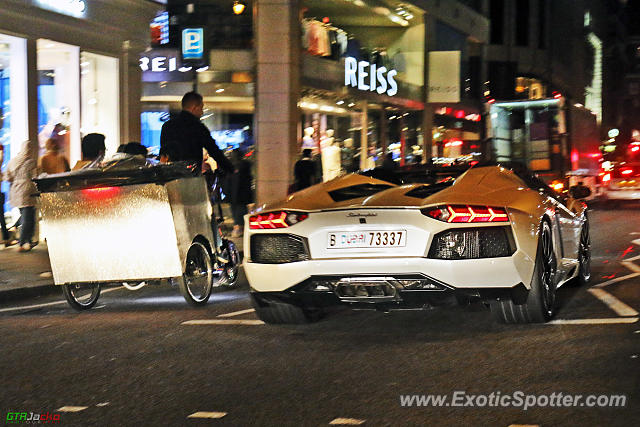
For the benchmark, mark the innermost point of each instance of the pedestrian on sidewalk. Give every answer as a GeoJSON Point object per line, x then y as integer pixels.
{"type": "Point", "coordinates": [304, 171]}
{"type": "Point", "coordinates": [22, 194]}
{"type": "Point", "coordinates": [239, 192]}
{"type": "Point", "coordinates": [6, 239]}
{"type": "Point", "coordinates": [53, 161]}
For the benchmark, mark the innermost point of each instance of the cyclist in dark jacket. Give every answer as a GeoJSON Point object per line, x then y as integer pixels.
{"type": "Point", "coordinates": [184, 136]}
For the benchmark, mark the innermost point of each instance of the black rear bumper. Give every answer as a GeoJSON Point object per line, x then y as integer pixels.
{"type": "Point", "coordinates": [325, 291]}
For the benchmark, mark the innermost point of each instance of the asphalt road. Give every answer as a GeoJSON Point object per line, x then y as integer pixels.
{"type": "Point", "coordinates": [133, 361]}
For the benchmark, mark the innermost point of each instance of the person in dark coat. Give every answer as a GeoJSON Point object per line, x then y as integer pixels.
{"type": "Point", "coordinates": [183, 137]}
{"type": "Point", "coordinates": [388, 162]}
{"type": "Point", "coordinates": [304, 171]}
{"type": "Point", "coordinates": [239, 192]}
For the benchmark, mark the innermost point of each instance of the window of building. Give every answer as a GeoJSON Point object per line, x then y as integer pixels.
{"type": "Point", "coordinates": [99, 98]}
{"type": "Point", "coordinates": [522, 22]}
{"type": "Point", "coordinates": [496, 15]}
{"type": "Point", "coordinates": [59, 96]}
{"type": "Point", "coordinates": [542, 24]}
{"type": "Point", "coordinates": [13, 98]}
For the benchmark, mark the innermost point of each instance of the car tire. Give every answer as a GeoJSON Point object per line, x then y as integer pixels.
{"type": "Point", "coordinates": [81, 296]}
{"type": "Point", "coordinates": [540, 304]}
{"type": "Point", "coordinates": [197, 280]}
{"type": "Point", "coordinates": [584, 255]}
{"type": "Point", "coordinates": [278, 312]}
{"type": "Point", "coordinates": [229, 272]}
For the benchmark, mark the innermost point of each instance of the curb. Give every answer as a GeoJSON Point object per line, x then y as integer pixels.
{"type": "Point", "coordinates": [26, 293]}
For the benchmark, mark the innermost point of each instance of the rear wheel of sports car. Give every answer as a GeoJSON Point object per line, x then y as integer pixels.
{"type": "Point", "coordinates": [278, 312]}
{"type": "Point", "coordinates": [540, 304]}
{"type": "Point", "coordinates": [584, 255]}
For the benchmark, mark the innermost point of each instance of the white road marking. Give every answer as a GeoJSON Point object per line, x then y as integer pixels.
{"type": "Point", "coordinates": [610, 321]}
{"type": "Point", "coordinates": [631, 259]}
{"type": "Point", "coordinates": [212, 415]}
{"type": "Point", "coordinates": [29, 307]}
{"type": "Point", "coordinates": [71, 408]}
{"type": "Point", "coordinates": [613, 303]}
{"type": "Point", "coordinates": [223, 322]}
{"type": "Point", "coordinates": [347, 422]}
{"type": "Point", "coordinates": [237, 313]}
{"type": "Point", "coordinates": [616, 280]}
{"type": "Point", "coordinates": [631, 266]}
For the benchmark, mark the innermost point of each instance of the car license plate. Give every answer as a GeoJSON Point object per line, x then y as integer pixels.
{"type": "Point", "coordinates": [366, 239]}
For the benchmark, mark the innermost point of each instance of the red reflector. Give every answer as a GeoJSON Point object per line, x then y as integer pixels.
{"type": "Point", "coordinates": [276, 219]}
{"type": "Point", "coordinates": [100, 193]}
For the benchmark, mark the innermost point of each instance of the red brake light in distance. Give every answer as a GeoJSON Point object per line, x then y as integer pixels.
{"type": "Point", "coordinates": [467, 214]}
{"type": "Point", "coordinates": [626, 171]}
{"type": "Point", "coordinates": [276, 219]}
{"type": "Point", "coordinates": [606, 177]}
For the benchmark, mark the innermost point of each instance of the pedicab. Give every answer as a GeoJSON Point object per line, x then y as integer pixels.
{"type": "Point", "coordinates": [133, 221]}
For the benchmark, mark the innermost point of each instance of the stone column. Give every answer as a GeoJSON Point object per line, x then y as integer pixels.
{"type": "Point", "coordinates": [130, 94]}
{"type": "Point", "coordinates": [364, 136]}
{"type": "Point", "coordinates": [278, 51]}
{"type": "Point", "coordinates": [32, 88]}
{"type": "Point", "coordinates": [427, 116]}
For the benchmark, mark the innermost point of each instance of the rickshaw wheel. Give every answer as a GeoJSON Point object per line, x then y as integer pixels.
{"type": "Point", "coordinates": [229, 272]}
{"type": "Point", "coordinates": [81, 296]}
{"type": "Point", "coordinates": [197, 280]}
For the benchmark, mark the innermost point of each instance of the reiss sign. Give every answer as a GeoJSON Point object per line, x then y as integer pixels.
{"type": "Point", "coordinates": [369, 77]}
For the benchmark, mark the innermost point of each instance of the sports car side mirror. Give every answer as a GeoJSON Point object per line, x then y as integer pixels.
{"type": "Point", "coordinates": [580, 192]}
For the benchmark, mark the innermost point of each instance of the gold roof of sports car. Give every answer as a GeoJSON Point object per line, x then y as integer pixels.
{"type": "Point", "coordinates": [493, 185]}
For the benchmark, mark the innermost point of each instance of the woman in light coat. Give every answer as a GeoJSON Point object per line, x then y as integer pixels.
{"type": "Point", "coordinates": [20, 172]}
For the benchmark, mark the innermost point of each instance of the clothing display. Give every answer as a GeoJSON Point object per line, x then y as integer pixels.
{"type": "Point", "coordinates": [321, 39]}
{"type": "Point", "coordinates": [316, 38]}
{"type": "Point", "coordinates": [330, 162]}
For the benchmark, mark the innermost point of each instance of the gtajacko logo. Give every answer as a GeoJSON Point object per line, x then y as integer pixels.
{"type": "Point", "coordinates": [23, 417]}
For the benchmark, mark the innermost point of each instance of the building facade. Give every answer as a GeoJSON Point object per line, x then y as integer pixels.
{"type": "Point", "coordinates": [74, 64]}
{"type": "Point", "coordinates": [315, 84]}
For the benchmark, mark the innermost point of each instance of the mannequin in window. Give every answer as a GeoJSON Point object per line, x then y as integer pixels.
{"type": "Point", "coordinates": [307, 139]}
{"type": "Point", "coordinates": [330, 157]}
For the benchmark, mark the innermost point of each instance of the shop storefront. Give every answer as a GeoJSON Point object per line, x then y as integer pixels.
{"type": "Point", "coordinates": [227, 87]}
{"type": "Point", "coordinates": [362, 78]}
{"type": "Point", "coordinates": [225, 76]}
{"type": "Point", "coordinates": [62, 77]}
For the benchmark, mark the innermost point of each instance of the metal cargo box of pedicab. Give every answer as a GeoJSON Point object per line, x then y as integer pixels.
{"type": "Point", "coordinates": [129, 224]}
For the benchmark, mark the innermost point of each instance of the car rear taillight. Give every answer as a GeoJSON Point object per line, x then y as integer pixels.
{"type": "Point", "coordinates": [277, 219]}
{"type": "Point", "coordinates": [606, 177]}
{"type": "Point", "coordinates": [466, 213]}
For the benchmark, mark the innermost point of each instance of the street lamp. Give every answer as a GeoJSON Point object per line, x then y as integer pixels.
{"type": "Point", "coordinates": [238, 7]}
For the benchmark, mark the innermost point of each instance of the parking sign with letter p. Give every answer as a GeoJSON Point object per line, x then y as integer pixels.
{"type": "Point", "coordinates": [192, 43]}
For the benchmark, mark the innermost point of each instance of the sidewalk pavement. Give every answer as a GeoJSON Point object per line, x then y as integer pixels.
{"type": "Point", "coordinates": [25, 274]}
{"type": "Point", "coordinates": [28, 274]}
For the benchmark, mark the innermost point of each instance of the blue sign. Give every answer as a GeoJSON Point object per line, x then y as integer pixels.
{"type": "Point", "coordinates": [192, 43]}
